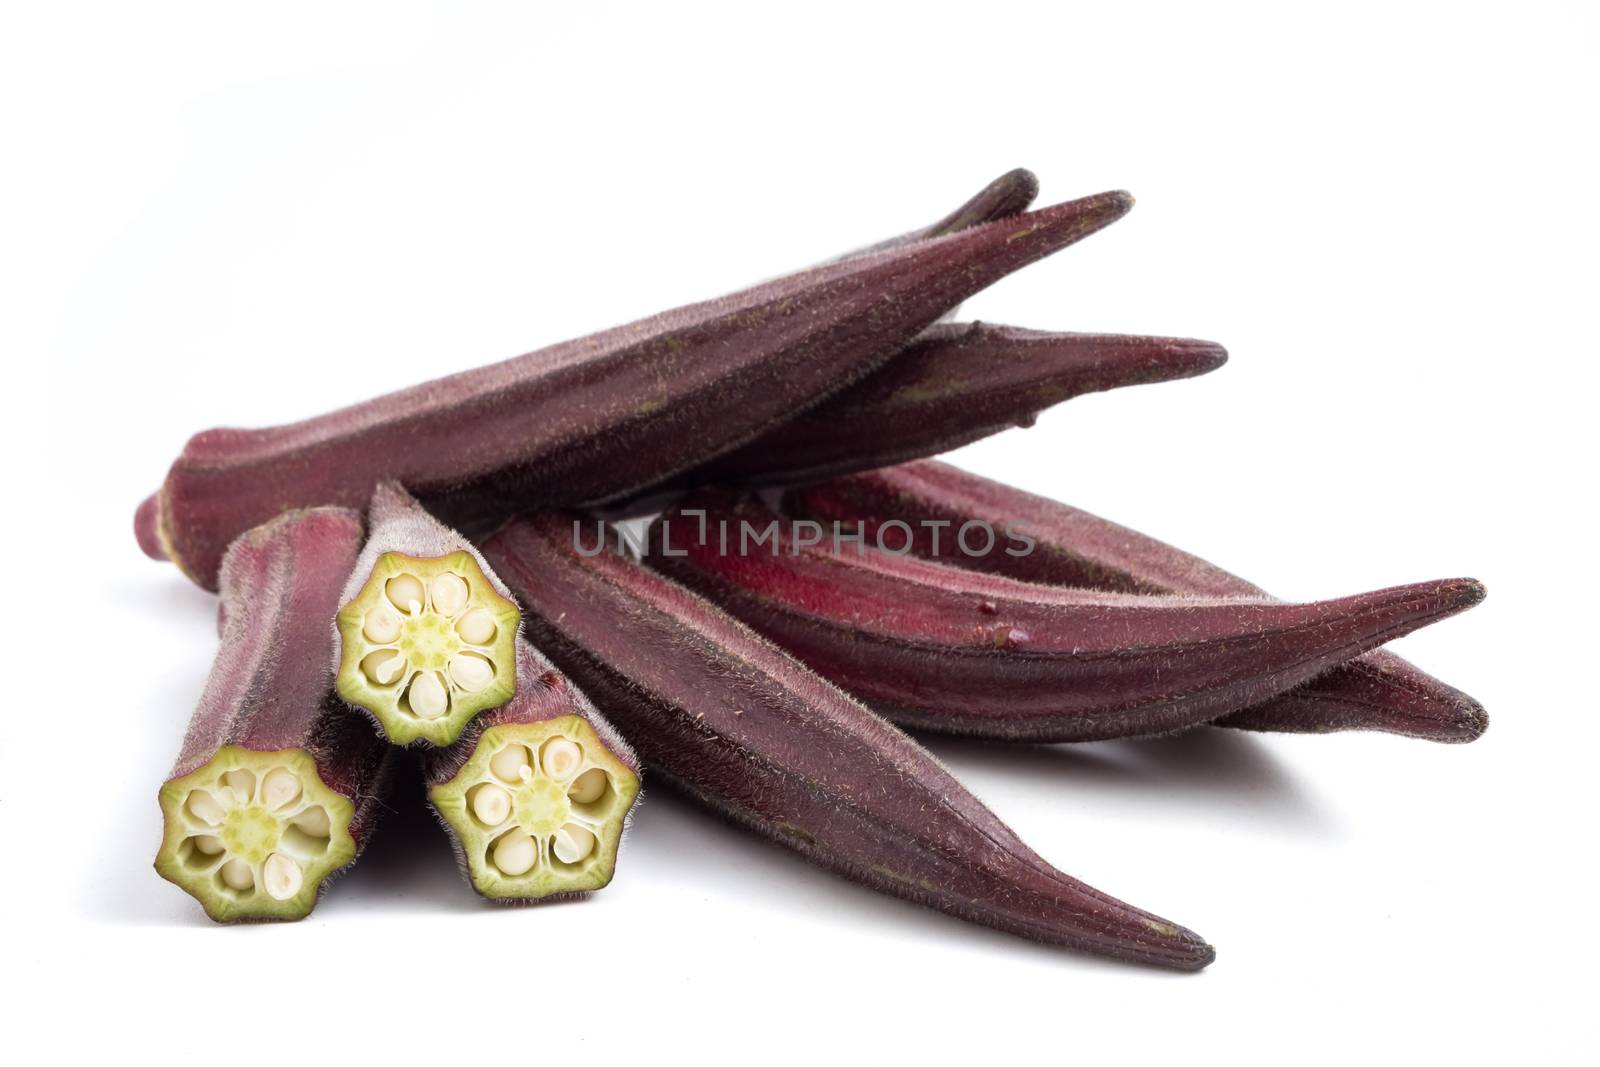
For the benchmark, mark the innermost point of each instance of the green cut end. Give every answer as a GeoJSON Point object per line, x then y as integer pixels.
{"type": "Point", "coordinates": [426, 646]}
{"type": "Point", "coordinates": [252, 835]}
{"type": "Point", "coordinates": [538, 809]}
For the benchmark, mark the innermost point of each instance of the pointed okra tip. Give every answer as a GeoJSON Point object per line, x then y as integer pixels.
{"type": "Point", "coordinates": [252, 835]}
{"type": "Point", "coordinates": [538, 809]}
{"type": "Point", "coordinates": [427, 644]}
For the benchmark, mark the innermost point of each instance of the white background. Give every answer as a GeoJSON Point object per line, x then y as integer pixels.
{"type": "Point", "coordinates": [245, 214]}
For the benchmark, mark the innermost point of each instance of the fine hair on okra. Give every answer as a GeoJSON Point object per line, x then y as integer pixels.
{"type": "Point", "coordinates": [1071, 547]}
{"type": "Point", "coordinates": [277, 785]}
{"type": "Point", "coordinates": [951, 650]}
{"type": "Point", "coordinates": [717, 711]}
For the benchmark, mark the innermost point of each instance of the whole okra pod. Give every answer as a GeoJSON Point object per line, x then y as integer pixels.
{"type": "Point", "coordinates": [1377, 691]}
{"type": "Point", "coordinates": [957, 651]}
{"type": "Point", "coordinates": [277, 785]}
{"type": "Point", "coordinates": [720, 713]}
{"type": "Point", "coordinates": [608, 415]}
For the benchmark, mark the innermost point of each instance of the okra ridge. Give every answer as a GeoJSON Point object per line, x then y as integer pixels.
{"type": "Point", "coordinates": [252, 835]}
{"type": "Point", "coordinates": [426, 644]}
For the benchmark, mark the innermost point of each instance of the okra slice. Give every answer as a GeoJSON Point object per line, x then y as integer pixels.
{"type": "Point", "coordinates": [427, 633]}
{"type": "Point", "coordinates": [537, 793]}
{"type": "Point", "coordinates": [277, 785]}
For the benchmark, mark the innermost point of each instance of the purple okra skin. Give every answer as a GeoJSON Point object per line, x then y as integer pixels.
{"type": "Point", "coordinates": [1375, 691]}
{"type": "Point", "coordinates": [719, 713]}
{"type": "Point", "coordinates": [944, 649]}
{"type": "Point", "coordinates": [603, 417]}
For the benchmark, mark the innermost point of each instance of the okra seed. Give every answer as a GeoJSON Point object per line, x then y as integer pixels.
{"type": "Point", "coordinates": [383, 666]}
{"type": "Point", "coordinates": [313, 822]}
{"type": "Point", "coordinates": [589, 787]}
{"type": "Point", "coordinates": [203, 806]}
{"type": "Point", "coordinates": [382, 625]}
{"type": "Point", "coordinates": [241, 783]}
{"type": "Point", "coordinates": [561, 758]}
{"type": "Point", "coordinates": [477, 627]}
{"type": "Point", "coordinates": [491, 804]}
{"type": "Point", "coordinates": [207, 845]}
{"type": "Point", "coordinates": [428, 696]}
{"type": "Point", "coordinates": [281, 876]}
{"type": "Point", "coordinates": [515, 853]}
{"type": "Point", "coordinates": [509, 763]}
{"type": "Point", "coordinates": [449, 593]}
{"type": "Point", "coordinates": [280, 788]}
{"type": "Point", "coordinates": [405, 592]}
{"type": "Point", "coordinates": [572, 843]}
{"type": "Point", "coordinates": [470, 672]}
{"type": "Point", "coordinates": [236, 874]}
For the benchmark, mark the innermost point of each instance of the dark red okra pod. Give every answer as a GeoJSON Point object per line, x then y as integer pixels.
{"type": "Point", "coordinates": [957, 651]}
{"type": "Point", "coordinates": [720, 713]}
{"type": "Point", "coordinates": [1006, 197]}
{"type": "Point", "coordinates": [537, 792]}
{"type": "Point", "coordinates": [955, 384]}
{"type": "Point", "coordinates": [604, 416]}
{"type": "Point", "coordinates": [1377, 691]}
{"type": "Point", "coordinates": [277, 784]}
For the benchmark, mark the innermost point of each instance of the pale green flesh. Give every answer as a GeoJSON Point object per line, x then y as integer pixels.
{"type": "Point", "coordinates": [427, 642]}
{"type": "Point", "coordinates": [225, 818]}
{"type": "Point", "coordinates": [540, 805]}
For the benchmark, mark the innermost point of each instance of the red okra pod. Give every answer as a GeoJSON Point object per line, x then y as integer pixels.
{"type": "Point", "coordinates": [720, 713]}
{"type": "Point", "coordinates": [604, 416]}
{"type": "Point", "coordinates": [1006, 197]}
{"type": "Point", "coordinates": [955, 384]}
{"type": "Point", "coordinates": [277, 784]}
{"type": "Point", "coordinates": [1377, 691]}
{"type": "Point", "coordinates": [957, 651]}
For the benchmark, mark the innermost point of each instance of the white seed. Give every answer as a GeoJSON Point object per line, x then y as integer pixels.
{"type": "Point", "coordinates": [471, 673]}
{"type": "Point", "coordinates": [241, 783]}
{"type": "Point", "coordinates": [449, 593]}
{"type": "Point", "coordinates": [515, 853]}
{"type": "Point", "coordinates": [382, 625]}
{"type": "Point", "coordinates": [428, 696]}
{"type": "Point", "coordinates": [405, 592]}
{"type": "Point", "coordinates": [236, 875]}
{"type": "Point", "coordinates": [491, 804]}
{"type": "Point", "coordinates": [203, 806]}
{"type": "Point", "coordinates": [589, 787]}
{"type": "Point", "coordinates": [383, 666]}
{"type": "Point", "coordinates": [572, 843]}
{"type": "Point", "coordinates": [477, 627]}
{"type": "Point", "coordinates": [207, 845]}
{"type": "Point", "coordinates": [281, 876]}
{"type": "Point", "coordinates": [280, 788]}
{"type": "Point", "coordinates": [314, 822]}
{"type": "Point", "coordinates": [509, 763]}
{"type": "Point", "coordinates": [561, 758]}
